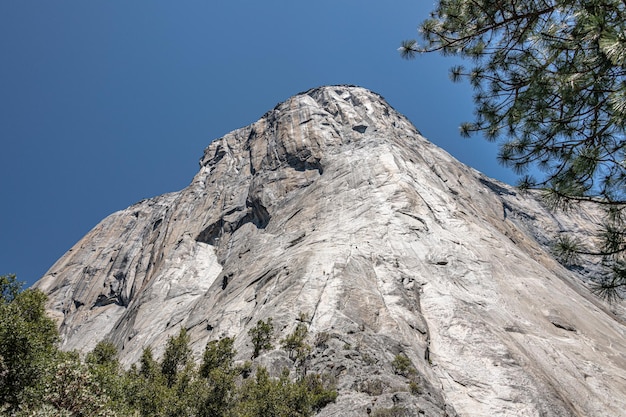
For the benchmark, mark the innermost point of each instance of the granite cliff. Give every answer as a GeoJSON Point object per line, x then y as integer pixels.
{"type": "Point", "coordinates": [334, 205]}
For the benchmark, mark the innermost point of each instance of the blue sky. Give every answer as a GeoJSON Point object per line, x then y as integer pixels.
{"type": "Point", "coordinates": [105, 103]}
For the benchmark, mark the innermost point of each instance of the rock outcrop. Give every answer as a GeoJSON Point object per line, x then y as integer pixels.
{"type": "Point", "coordinates": [335, 206]}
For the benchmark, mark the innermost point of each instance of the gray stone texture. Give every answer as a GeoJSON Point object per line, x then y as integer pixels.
{"type": "Point", "coordinates": [334, 205]}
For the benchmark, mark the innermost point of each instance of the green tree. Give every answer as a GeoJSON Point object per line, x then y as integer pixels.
{"type": "Point", "coordinates": [147, 390]}
{"type": "Point", "coordinates": [10, 287]}
{"type": "Point", "coordinates": [148, 366]}
{"type": "Point", "coordinates": [550, 87]}
{"type": "Point", "coordinates": [320, 390]}
{"type": "Point", "coordinates": [28, 340]}
{"type": "Point", "coordinates": [218, 354]}
{"type": "Point", "coordinates": [70, 387]}
{"type": "Point", "coordinates": [261, 335]}
{"type": "Point", "coordinates": [36, 379]}
{"type": "Point", "coordinates": [168, 388]}
{"type": "Point", "coordinates": [103, 365]}
{"type": "Point", "coordinates": [264, 396]}
{"type": "Point", "coordinates": [258, 397]}
{"type": "Point", "coordinates": [218, 373]}
{"type": "Point", "coordinates": [104, 354]}
{"type": "Point", "coordinates": [176, 357]}
{"type": "Point", "coordinates": [296, 347]}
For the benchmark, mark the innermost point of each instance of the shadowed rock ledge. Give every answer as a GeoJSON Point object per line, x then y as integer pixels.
{"type": "Point", "coordinates": [334, 205]}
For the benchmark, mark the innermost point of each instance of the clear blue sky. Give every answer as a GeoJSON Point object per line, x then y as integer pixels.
{"type": "Point", "coordinates": [104, 103]}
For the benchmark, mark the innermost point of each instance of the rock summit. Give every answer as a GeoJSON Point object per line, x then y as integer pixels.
{"type": "Point", "coordinates": [333, 207]}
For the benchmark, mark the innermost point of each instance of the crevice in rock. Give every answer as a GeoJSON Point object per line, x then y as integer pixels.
{"type": "Point", "coordinates": [225, 280]}
{"type": "Point", "coordinates": [295, 241]}
{"type": "Point", "coordinates": [211, 234]}
{"type": "Point", "coordinates": [561, 324]}
{"type": "Point", "coordinates": [220, 152]}
{"type": "Point", "coordinates": [262, 280]}
{"type": "Point", "coordinates": [257, 214]}
{"type": "Point", "coordinates": [301, 164]}
{"type": "Point", "coordinates": [248, 149]}
{"type": "Point", "coordinates": [104, 300]}
{"type": "Point", "coordinates": [359, 128]}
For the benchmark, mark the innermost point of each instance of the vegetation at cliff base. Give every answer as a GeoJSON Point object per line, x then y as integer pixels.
{"type": "Point", "coordinates": [37, 379]}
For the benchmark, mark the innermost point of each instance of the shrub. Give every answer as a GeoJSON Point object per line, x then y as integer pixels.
{"type": "Point", "coordinates": [73, 389]}
{"type": "Point", "coordinates": [321, 339]}
{"type": "Point", "coordinates": [402, 365]}
{"type": "Point", "coordinates": [395, 411]}
{"type": "Point", "coordinates": [264, 396]}
{"type": "Point", "coordinates": [261, 335]}
{"type": "Point", "coordinates": [294, 344]}
{"type": "Point", "coordinates": [414, 388]}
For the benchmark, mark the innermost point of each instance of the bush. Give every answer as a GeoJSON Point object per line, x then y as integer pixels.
{"type": "Point", "coordinates": [294, 344]}
{"type": "Point", "coordinates": [321, 390]}
{"type": "Point", "coordinates": [402, 365]}
{"type": "Point", "coordinates": [264, 396]}
{"type": "Point", "coordinates": [37, 380]}
{"type": "Point", "coordinates": [395, 411]}
{"type": "Point", "coordinates": [321, 340]}
{"type": "Point", "coordinates": [73, 389]}
{"type": "Point", "coordinates": [261, 335]}
{"type": "Point", "coordinates": [414, 388]}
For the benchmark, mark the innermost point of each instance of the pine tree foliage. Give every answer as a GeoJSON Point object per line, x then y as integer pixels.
{"type": "Point", "coordinates": [219, 374]}
{"type": "Point", "coordinates": [261, 336]}
{"type": "Point", "coordinates": [27, 341]}
{"type": "Point", "coordinates": [295, 344]}
{"type": "Point", "coordinates": [37, 379]}
{"type": "Point", "coordinates": [550, 87]}
{"type": "Point", "coordinates": [177, 356]}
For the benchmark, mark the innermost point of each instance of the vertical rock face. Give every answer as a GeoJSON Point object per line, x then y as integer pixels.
{"type": "Point", "coordinates": [334, 205]}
